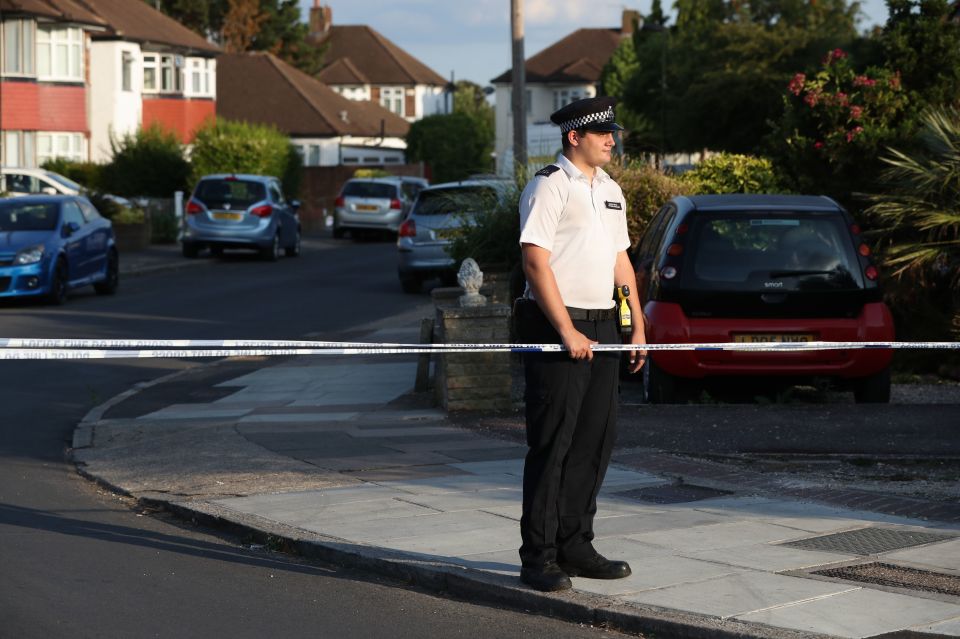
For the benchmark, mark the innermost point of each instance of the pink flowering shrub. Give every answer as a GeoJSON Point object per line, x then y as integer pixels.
{"type": "Point", "coordinates": [835, 123]}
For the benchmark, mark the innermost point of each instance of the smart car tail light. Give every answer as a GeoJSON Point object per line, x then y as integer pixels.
{"type": "Point", "coordinates": [194, 207]}
{"type": "Point", "coordinates": [408, 229]}
{"type": "Point", "coordinates": [675, 250]}
{"type": "Point", "coordinates": [872, 273]}
{"type": "Point", "coordinates": [864, 250]}
{"type": "Point", "coordinates": [262, 211]}
{"type": "Point", "coordinates": [340, 202]}
{"type": "Point", "coordinates": [395, 204]}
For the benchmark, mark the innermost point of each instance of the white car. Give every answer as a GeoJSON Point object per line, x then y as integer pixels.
{"type": "Point", "coordinates": [17, 181]}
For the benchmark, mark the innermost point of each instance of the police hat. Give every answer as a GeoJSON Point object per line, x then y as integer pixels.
{"type": "Point", "coordinates": [589, 114]}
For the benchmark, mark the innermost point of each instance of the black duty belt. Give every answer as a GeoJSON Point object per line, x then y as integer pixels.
{"type": "Point", "coordinates": [591, 314]}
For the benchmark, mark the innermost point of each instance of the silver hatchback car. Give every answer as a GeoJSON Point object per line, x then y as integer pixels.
{"type": "Point", "coordinates": [229, 211]}
{"type": "Point", "coordinates": [378, 204]}
{"type": "Point", "coordinates": [437, 215]}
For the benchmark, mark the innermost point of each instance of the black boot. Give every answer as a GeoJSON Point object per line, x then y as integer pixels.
{"type": "Point", "coordinates": [547, 577]}
{"type": "Point", "coordinates": [595, 567]}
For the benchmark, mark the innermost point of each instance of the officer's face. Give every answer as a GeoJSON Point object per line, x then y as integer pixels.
{"type": "Point", "coordinates": [597, 147]}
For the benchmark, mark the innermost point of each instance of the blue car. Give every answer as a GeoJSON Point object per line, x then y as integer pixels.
{"type": "Point", "coordinates": [50, 244]}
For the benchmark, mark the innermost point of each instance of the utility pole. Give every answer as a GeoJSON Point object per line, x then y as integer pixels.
{"type": "Point", "coordinates": [519, 92]}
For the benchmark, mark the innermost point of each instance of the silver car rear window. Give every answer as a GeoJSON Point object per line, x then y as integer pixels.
{"type": "Point", "coordinates": [237, 193]}
{"type": "Point", "coordinates": [370, 189]}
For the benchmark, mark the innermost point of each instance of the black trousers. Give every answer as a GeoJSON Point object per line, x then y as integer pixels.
{"type": "Point", "coordinates": [571, 414]}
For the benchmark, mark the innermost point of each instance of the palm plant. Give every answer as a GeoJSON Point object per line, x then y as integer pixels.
{"type": "Point", "coordinates": [919, 218]}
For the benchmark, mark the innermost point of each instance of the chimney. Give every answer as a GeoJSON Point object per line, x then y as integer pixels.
{"type": "Point", "coordinates": [631, 18]}
{"type": "Point", "coordinates": [321, 18]}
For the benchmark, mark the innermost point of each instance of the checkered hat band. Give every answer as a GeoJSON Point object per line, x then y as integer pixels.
{"type": "Point", "coordinates": [584, 120]}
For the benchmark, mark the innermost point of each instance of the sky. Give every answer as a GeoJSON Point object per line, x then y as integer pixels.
{"type": "Point", "coordinates": [470, 39]}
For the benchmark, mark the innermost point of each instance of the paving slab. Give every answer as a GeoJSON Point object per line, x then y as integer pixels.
{"type": "Point", "coordinates": [738, 594]}
{"type": "Point", "coordinates": [445, 546]}
{"type": "Point", "coordinates": [456, 525]}
{"type": "Point", "coordinates": [769, 558]}
{"type": "Point", "coordinates": [946, 628]}
{"type": "Point", "coordinates": [857, 613]}
{"type": "Point", "coordinates": [726, 534]}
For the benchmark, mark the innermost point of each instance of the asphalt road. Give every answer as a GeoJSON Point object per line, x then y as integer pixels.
{"type": "Point", "coordinates": [77, 561]}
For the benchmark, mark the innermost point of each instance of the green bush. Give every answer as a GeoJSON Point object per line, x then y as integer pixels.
{"type": "Point", "coordinates": [87, 174]}
{"type": "Point", "coordinates": [453, 145]}
{"type": "Point", "coordinates": [163, 228]}
{"type": "Point", "coordinates": [732, 173]}
{"type": "Point", "coordinates": [646, 190]}
{"type": "Point", "coordinates": [227, 146]}
{"type": "Point", "coordinates": [116, 212]}
{"type": "Point", "coordinates": [150, 163]}
{"type": "Point", "coordinates": [493, 236]}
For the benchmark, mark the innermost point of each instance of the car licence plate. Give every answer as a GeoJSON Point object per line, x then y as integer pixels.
{"type": "Point", "coordinates": [758, 338]}
{"type": "Point", "coordinates": [366, 207]}
{"type": "Point", "coordinates": [228, 216]}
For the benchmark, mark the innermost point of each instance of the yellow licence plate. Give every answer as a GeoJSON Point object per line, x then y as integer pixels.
{"type": "Point", "coordinates": [228, 216]}
{"type": "Point", "coordinates": [753, 338]}
{"type": "Point", "coordinates": [367, 207]}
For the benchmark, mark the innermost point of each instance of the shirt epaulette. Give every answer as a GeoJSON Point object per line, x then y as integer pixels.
{"type": "Point", "coordinates": [548, 170]}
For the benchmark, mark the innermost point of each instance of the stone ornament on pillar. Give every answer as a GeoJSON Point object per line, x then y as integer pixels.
{"type": "Point", "coordinates": [470, 277]}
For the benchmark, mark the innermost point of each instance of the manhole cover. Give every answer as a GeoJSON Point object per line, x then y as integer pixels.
{"type": "Point", "coordinates": [673, 493]}
{"type": "Point", "coordinates": [900, 576]}
{"type": "Point", "coordinates": [868, 541]}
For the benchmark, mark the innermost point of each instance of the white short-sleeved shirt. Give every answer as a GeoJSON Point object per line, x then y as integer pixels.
{"type": "Point", "coordinates": [583, 227]}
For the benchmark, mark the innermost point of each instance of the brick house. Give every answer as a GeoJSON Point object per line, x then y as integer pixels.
{"type": "Point", "coordinates": [565, 71]}
{"type": "Point", "coordinates": [362, 64]}
{"type": "Point", "coordinates": [74, 73]}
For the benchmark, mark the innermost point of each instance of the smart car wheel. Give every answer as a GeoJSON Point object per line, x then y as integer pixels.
{"type": "Point", "coordinates": [664, 388]}
{"type": "Point", "coordinates": [58, 285]}
{"type": "Point", "coordinates": [112, 280]}
{"type": "Point", "coordinates": [294, 249]}
{"type": "Point", "coordinates": [873, 389]}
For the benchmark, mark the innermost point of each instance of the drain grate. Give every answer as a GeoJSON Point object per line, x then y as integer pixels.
{"type": "Point", "coordinates": [673, 493]}
{"type": "Point", "coordinates": [882, 574]}
{"type": "Point", "coordinates": [868, 541]}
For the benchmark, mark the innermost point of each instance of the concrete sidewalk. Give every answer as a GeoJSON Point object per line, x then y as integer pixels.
{"type": "Point", "coordinates": [329, 457]}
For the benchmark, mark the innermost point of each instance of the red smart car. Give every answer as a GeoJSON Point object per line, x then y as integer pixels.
{"type": "Point", "coordinates": [760, 268]}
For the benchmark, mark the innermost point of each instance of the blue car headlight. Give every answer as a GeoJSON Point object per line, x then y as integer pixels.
{"type": "Point", "coordinates": [29, 255]}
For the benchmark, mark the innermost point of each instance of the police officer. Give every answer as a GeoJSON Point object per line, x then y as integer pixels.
{"type": "Point", "coordinates": [573, 235]}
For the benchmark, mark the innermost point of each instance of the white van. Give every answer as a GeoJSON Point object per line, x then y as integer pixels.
{"type": "Point", "coordinates": [15, 181]}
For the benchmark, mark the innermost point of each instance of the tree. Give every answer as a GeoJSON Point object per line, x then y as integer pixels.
{"type": "Point", "coordinates": [451, 144]}
{"type": "Point", "coordinates": [241, 25]}
{"type": "Point", "coordinates": [714, 79]}
{"type": "Point", "coordinates": [469, 99]}
{"type": "Point", "coordinates": [921, 41]}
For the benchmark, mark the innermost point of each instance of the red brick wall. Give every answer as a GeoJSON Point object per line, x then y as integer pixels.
{"type": "Point", "coordinates": [321, 186]}
{"type": "Point", "coordinates": [29, 106]}
{"type": "Point", "coordinates": [181, 116]}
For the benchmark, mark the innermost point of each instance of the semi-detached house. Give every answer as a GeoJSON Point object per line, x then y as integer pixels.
{"type": "Point", "coordinates": [75, 74]}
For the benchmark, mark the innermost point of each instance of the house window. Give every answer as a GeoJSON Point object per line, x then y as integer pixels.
{"type": "Point", "coordinates": [126, 69]}
{"type": "Point", "coordinates": [69, 146]}
{"type": "Point", "coordinates": [200, 76]}
{"type": "Point", "coordinates": [391, 98]}
{"type": "Point", "coordinates": [59, 53]}
{"type": "Point", "coordinates": [17, 148]}
{"type": "Point", "coordinates": [18, 47]}
{"type": "Point", "coordinates": [563, 97]}
{"type": "Point", "coordinates": [161, 73]}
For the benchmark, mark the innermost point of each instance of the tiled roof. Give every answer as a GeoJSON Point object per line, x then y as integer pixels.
{"type": "Point", "coordinates": [259, 87]}
{"type": "Point", "coordinates": [132, 20]}
{"type": "Point", "coordinates": [66, 10]}
{"type": "Point", "coordinates": [358, 52]}
{"type": "Point", "coordinates": [579, 57]}
{"type": "Point", "coordinates": [137, 21]}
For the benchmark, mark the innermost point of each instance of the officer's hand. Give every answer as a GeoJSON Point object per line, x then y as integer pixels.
{"type": "Point", "coordinates": [578, 345]}
{"type": "Point", "coordinates": [637, 358]}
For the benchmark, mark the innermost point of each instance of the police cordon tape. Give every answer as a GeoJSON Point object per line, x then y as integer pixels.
{"type": "Point", "coordinates": [70, 349]}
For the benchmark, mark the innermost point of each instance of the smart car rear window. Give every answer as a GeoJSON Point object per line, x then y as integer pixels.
{"type": "Point", "coordinates": [237, 194]}
{"type": "Point", "coordinates": [28, 217]}
{"type": "Point", "coordinates": [790, 252]}
{"type": "Point", "coordinates": [370, 189]}
{"type": "Point", "coordinates": [460, 200]}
